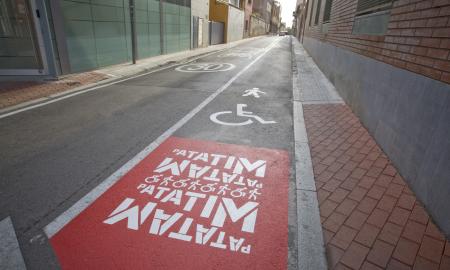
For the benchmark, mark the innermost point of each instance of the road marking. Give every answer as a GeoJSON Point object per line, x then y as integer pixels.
{"type": "Point", "coordinates": [206, 67]}
{"type": "Point", "coordinates": [53, 227]}
{"type": "Point", "coordinates": [253, 92]}
{"type": "Point", "coordinates": [241, 113]}
{"type": "Point", "coordinates": [10, 255]}
{"type": "Point", "coordinates": [190, 204]}
{"type": "Point", "coordinates": [65, 95]}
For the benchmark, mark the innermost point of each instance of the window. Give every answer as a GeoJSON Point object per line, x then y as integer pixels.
{"type": "Point", "coordinates": [327, 11]}
{"type": "Point", "coordinates": [372, 17]}
{"type": "Point", "coordinates": [234, 2]}
{"type": "Point", "coordinates": [310, 12]}
{"type": "Point", "coordinates": [371, 6]}
{"type": "Point", "coordinates": [316, 19]}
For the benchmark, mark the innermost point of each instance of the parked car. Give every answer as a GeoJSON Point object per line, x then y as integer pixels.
{"type": "Point", "coordinates": [283, 33]}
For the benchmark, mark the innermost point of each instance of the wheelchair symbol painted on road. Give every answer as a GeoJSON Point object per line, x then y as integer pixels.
{"type": "Point", "coordinates": [241, 113]}
{"type": "Point", "coordinates": [205, 67]}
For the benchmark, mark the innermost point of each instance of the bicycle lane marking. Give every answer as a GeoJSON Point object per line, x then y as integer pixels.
{"type": "Point", "coordinates": [79, 206]}
{"type": "Point", "coordinates": [64, 219]}
{"type": "Point", "coordinates": [190, 204]}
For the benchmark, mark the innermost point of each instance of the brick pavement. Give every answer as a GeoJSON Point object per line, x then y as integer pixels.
{"type": "Point", "coordinates": [13, 93]}
{"type": "Point", "coordinates": [370, 218]}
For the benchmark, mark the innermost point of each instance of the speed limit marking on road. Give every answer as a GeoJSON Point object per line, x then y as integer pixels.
{"type": "Point", "coordinates": [205, 67]}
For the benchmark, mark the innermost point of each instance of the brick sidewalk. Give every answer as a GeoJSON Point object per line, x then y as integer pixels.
{"type": "Point", "coordinates": [13, 93]}
{"type": "Point", "coordinates": [370, 218]}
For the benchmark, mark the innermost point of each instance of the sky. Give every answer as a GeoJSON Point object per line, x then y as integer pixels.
{"type": "Point", "coordinates": [287, 7]}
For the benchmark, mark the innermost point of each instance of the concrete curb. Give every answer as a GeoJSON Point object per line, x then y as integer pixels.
{"type": "Point", "coordinates": [311, 249]}
{"type": "Point", "coordinates": [125, 72]}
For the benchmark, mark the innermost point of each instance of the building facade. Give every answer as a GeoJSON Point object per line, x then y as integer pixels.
{"type": "Point", "coordinates": [275, 17]}
{"type": "Point", "coordinates": [200, 23]}
{"type": "Point", "coordinates": [248, 5]}
{"type": "Point", "coordinates": [47, 38]}
{"type": "Point", "coordinates": [390, 61]}
{"type": "Point", "coordinates": [231, 14]}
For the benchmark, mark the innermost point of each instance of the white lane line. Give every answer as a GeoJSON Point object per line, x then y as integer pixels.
{"type": "Point", "coordinates": [311, 250]}
{"type": "Point", "coordinates": [56, 225]}
{"type": "Point", "coordinates": [55, 98]}
{"type": "Point", "coordinates": [10, 255]}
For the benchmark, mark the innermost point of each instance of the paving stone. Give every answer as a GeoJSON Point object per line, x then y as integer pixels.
{"type": "Point", "coordinates": [399, 216]}
{"type": "Point", "coordinates": [346, 207]}
{"type": "Point", "coordinates": [349, 184]}
{"type": "Point", "coordinates": [419, 214]}
{"type": "Point", "coordinates": [339, 195]}
{"type": "Point", "coordinates": [384, 180]}
{"type": "Point", "coordinates": [406, 201]}
{"type": "Point", "coordinates": [396, 265]}
{"type": "Point", "coordinates": [387, 203]}
{"type": "Point", "coordinates": [367, 205]}
{"type": "Point", "coordinates": [414, 231]}
{"type": "Point", "coordinates": [390, 170]}
{"type": "Point", "coordinates": [334, 221]}
{"type": "Point", "coordinates": [369, 266]}
{"type": "Point", "coordinates": [355, 255]}
{"type": "Point", "coordinates": [376, 192]}
{"type": "Point", "coordinates": [322, 195]}
{"type": "Point", "coordinates": [378, 218]}
{"type": "Point", "coordinates": [357, 193]}
{"type": "Point", "coordinates": [367, 235]}
{"type": "Point", "coordinates": [327, 208]}
{"type": "Point", "coordinates": [394, 190]}
{"type": "Point", "coordinates": [356, 220]}
{"type": "Point", "coordinates": [366, 182]}
{"type": "Point", "coordinates": [424, 264]}
{"type": "Point", "coordinates": [445, 263]}
{"type": "Point", "coordinates": [344, 237]}
{"type": "Point", "coordinates": [433, 231]}
{"type": "Point", "coordinates": [331, 185]}
{"type": "Point", "coordinates": [380, 253]}
{"type": "Point", "coordinates": [431, 249]}
{"type": "Point", "coordinates": [334, 254]}
{"type": "Point", "coordinates": [406, 251]}
{"type": "Point", "coordinates": [390, 233]}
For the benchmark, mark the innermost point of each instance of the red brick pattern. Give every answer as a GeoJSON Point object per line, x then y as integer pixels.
{"type": "Point", "coordinates": [370, 218]}
{"type": "Point", "coordinates": [13, 93]}
{"type": "Point", "coordinates": [418, 36]}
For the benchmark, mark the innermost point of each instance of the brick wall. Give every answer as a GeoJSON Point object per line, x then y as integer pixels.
{"type": "Point", "coordinates": [417, 39]}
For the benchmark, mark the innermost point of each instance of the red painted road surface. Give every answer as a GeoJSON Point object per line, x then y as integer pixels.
{"type": "Point", "coordinates": [188, 205]}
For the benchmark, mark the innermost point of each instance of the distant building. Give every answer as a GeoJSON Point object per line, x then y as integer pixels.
{"type": "Point", "coordinates": [299, 18]}
{"type": "Point", "coordinates": [231, 14]}
{"type": "Point", "coordinates": [275, 17]}
{"type": "Point", "coordinates": [248, 4]}
{"type": "Point", "coordinates": [262, 10]}
{"type": "Point", "coordinates": [200, 23]}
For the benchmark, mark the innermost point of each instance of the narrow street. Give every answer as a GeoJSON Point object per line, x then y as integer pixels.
{"type": "Point", "coordinates": [59, 158]}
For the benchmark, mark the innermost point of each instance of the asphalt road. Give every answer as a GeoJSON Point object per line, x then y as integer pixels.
{"type": "Point", "coordinates": [54, 155]}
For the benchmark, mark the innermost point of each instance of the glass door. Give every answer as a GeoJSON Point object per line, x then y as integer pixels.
{"type": "Point", "coordinates": [21, 50]}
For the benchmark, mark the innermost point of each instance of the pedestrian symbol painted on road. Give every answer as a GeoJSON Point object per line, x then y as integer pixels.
{"type": "Point", "coordinates": [205, 67]}
{"type": "Point", "coordinates": [241, 113]}
{"type": "Point", "coordinates": [188, 205]}
{"type": "Point", "coordinates": [253, 92]}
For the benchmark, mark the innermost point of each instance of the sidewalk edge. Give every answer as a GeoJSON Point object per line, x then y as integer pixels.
{"type": "Point", "coordinates": [311, 249]}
